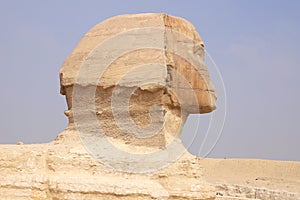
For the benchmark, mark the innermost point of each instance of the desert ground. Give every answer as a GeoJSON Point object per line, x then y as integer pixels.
{"type": "Point", "coordinates": [271, 174]}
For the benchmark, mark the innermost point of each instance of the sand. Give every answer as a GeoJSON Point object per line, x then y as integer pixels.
{"type": "Point", "coordinates": [275, 175]}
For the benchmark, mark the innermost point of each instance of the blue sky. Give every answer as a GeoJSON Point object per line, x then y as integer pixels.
{"type": "Point", "coordinates": [254, 43]}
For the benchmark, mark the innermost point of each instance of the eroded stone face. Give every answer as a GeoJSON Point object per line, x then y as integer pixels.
{"type": "Point", "coordinates": [152, 76]}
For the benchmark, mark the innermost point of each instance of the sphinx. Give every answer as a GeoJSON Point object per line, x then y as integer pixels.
{"type": "Point", "coordinates": [130, 85]}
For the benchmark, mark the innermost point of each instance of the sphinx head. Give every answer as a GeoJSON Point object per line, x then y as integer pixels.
{"type": "Point", "coordinates": [134, 79]}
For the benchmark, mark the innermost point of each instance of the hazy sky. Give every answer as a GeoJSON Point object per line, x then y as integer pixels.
{"type": "Point", "coordinates": [255, 44]}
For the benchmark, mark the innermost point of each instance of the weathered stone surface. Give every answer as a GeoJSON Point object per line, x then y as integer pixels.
{"type": "Point", "coordinates": [166, 52]}
{"type": "Point", "coordinates": [63, 169]}
{"type": "Point", "coordinates": [66, 171]}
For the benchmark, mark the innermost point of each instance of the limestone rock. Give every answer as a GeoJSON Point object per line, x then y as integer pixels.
{"type": "Point", "coordinates": [66, 171]}
{"type": "Point", "coordinates": [140, 75]}
{"type": "Point", "coordinates": [137, 77]}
